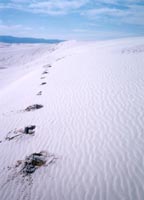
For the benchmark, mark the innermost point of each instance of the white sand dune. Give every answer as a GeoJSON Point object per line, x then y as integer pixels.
{"type": "Point", "coordinates": [92, 120]}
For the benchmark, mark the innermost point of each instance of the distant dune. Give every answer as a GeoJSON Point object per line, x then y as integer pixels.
{"type": "Point", "coordinates": [11, 39]}
{"type": "Point", "coordinates": [72, 120]}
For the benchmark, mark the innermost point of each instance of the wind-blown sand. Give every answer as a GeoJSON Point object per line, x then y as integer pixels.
{"type": "Point", "coordinates": [92, 120]}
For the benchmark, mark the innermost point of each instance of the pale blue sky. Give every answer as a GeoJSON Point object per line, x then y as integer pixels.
{"type": "Point", "coordinates": [72, 19]}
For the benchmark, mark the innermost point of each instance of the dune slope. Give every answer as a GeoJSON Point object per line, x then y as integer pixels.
{"type": "Point", "coordinates": [92, 120]}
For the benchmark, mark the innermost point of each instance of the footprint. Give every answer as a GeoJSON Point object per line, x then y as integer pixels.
{"type": "Point", "coordinates": [30, 129]}
{"type": "Point", "coordinates": [59, 59]}
{"type": "Point", "coordinates": [47, 66]}
{"type": "Point", "coordinates": [39, 93]}
{"type": "Point", "coordinates": [36, 160]}
{"type": "Point", "coordinates": [33, 107]}
{"type": "Point", "coordinates": [18, 132]}
{"type": "Point", "coordinates": [43, 83]}
{"type": "Point", "coordinates": [45, 72]}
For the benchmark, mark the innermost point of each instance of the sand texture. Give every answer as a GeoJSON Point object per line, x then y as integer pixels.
{"type": "Point", "coordinates": [91, 125]}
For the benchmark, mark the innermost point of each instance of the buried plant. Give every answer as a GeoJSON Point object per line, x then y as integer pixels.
{"type": "Point", "coordinates": [34, 107]}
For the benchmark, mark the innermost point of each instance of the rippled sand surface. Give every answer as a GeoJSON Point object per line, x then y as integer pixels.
{"type": "Point", "coordinates": [92, 120]}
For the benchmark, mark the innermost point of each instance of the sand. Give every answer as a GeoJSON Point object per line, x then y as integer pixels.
{"type": "Point", "coordinates": [92, 120]}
